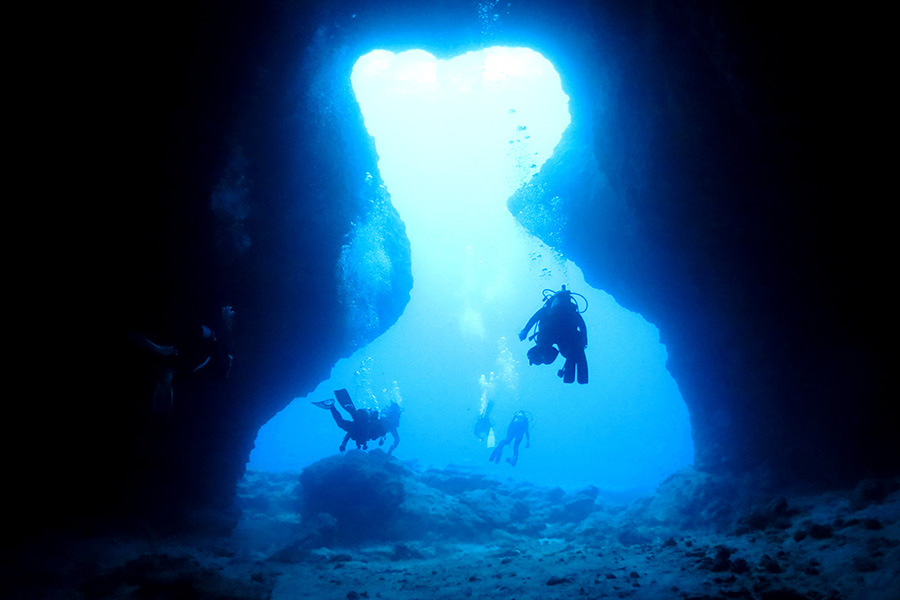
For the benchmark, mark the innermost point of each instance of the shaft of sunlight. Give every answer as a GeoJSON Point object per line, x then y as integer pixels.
{"type": "Point", "coordinates": [455, 139]}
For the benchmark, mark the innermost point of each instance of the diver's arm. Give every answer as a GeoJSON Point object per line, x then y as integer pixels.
{"type": "Point", "coordinates": [396, 435]}
{"type": "Point", "coordinates": [531, 322]}
{"type": "Point", "coordinates": [344, 443]}
{"type": "Point", "coordinates": [583, 329]}
{"type": "Point", "coordinates": [527, 438]}
{"type": "Point", "coordinates": [146, 344]}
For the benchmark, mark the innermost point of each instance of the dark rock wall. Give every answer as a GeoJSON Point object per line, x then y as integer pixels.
{"type": "Point", "coordinates": [724, 138]}
{"type": "Point", "coordinates": [706, 183]}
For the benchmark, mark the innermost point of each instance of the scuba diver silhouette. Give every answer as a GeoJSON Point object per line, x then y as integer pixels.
{"type": "Point", "coordinates": [559, 322]}
{"type": "Point", "coordinates": [196, 352]}
{"type": "Point", "coordinates": [484, 427]}
{"type": "Point", "coordinates": [518, 428]}
{"type": "Point", "coordinates": [366, 425]}
{"type": "Point", "coordinates": [387, 423]}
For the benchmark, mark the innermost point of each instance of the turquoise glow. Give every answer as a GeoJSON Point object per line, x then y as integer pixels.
{"type": "Point", "coordinates": [455, 139]}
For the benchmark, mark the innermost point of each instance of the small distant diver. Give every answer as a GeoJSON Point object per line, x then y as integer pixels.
{"type": "Point", "coordinates": [366, 424]}
{"type": "Point", "coordinates": [517, 429]}
{"type": "Point", "coordinates": [484, 427]}
{"type": "Point", "coordinates": [197, 351]}
{"type": "Point", "coordinates": [559, 322]}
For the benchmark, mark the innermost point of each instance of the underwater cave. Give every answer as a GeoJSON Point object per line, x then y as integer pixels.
{"type": "Point", "coordinates": [456, 140]}
{"type": "Point", "coordinates": [694, 191]}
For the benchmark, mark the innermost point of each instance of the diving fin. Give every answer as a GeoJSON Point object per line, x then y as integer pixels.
{"type": "Point", "coordinates": [343, 397]}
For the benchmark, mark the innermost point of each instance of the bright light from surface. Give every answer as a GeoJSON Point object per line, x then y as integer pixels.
{"type": "Point", "coordinates": [455, 139]}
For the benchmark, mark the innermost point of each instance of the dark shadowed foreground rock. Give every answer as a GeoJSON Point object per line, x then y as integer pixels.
{"type": "Point", "coordinates": [700, 183]}
{"type": "Point", "coordinates": [167, 576]}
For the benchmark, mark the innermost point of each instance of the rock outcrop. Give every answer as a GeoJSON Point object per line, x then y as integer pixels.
{"type": "Point", "coordinates": [709, 182]}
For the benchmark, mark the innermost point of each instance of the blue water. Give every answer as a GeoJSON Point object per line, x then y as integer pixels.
{"type": "Point", "coordinates": [455, 139]}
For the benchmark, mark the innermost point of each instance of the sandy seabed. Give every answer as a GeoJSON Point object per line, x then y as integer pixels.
{"type": "Point", "coordinates": [472, 536]}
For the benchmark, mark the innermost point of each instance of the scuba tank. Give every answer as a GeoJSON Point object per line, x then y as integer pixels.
{"type": "Point", "coordinates": [552, 297]}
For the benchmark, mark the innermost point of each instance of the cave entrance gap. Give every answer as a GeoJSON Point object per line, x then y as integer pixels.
{"type": "Point", "coordinates": [455, 139]}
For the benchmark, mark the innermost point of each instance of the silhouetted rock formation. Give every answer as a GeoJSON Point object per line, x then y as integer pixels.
{"type": "Point", "coordinates": [709, 182]}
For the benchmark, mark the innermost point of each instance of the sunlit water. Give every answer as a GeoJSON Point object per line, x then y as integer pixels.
{"type": "Point", "coordinates": [455, 139]}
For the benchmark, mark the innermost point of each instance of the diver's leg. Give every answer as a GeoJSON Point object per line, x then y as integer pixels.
{"type": "Point", "coordinates": [497, 454]}
{"type": "Point", "coordinates": [562, 371]}
{"type": "Point", "coordinates": [343, 397]}
{"type": "Point", "coordinates": [569, 371]}
{"type": "Point", "coordinates": [515, 456]}
{"type": "Point", "coordinates": [341, 421]}
{"type": "Point", "coordinates": [582, 368]}
{"type": "Point", "coordinates": [163, 395]}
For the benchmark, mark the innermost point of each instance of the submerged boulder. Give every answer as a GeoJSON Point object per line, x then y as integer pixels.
{"type": "Point", "coordinates": [361, 492]}
{"type": "Point", "coordinates": [361, 496]}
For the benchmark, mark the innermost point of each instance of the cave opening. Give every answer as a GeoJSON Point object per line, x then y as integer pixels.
{"type": "Point", "coordinates": [455, 139]}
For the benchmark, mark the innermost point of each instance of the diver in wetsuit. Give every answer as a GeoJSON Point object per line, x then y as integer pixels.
{"type": "Point", "coordinates": [197, 352]}
{"type": "Point", "coordinates": [366, 424]}
{"type": "Point", "coordinates": [517, 429]}
{"type": "Point", "coordinates": [559, 322]}
{"type": "Point", "coordinates": [358, 428]}
{"type": "Point", "coordinates": [387, 423]}
{"type": "Point", "coordinates": [483, 424]}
